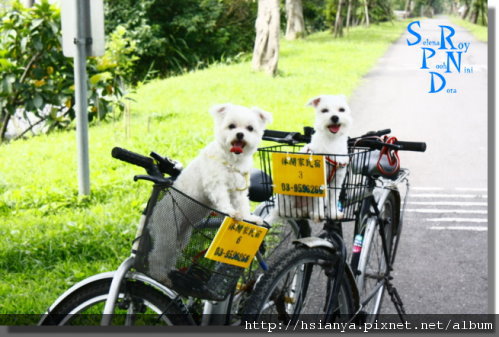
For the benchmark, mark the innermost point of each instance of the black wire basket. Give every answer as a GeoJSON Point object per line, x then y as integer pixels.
{"type": "Point", "coordinates": [172, 243]}
{"type": "Point", "coordinates": [339, 195]}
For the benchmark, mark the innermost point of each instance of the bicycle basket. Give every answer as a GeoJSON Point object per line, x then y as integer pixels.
{"type": "Point", "coordinates": [176, 235]}
{"type": "Point", "coordinates": [339, 198]}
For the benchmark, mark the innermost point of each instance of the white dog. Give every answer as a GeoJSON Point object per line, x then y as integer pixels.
{"type": "Point", "coordinates": [218, 178]}
{"type": "Point", "coordinates": [332, 122]}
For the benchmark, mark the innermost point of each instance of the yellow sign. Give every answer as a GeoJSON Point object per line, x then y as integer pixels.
{"type": "Point", "coordinates": [236, 243]}
{"type": "Point", "coordinates": [299, 174]}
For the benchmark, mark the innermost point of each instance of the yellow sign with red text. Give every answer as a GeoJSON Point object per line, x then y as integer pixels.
{"type": "Point", "coordinates": [236, 243]}
{"type": "Point", "coordinates": [299, 174]}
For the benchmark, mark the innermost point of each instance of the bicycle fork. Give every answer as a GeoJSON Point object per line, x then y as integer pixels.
{"type": "Point", "coordinates": [114, 290]}
{"type": "Point", "coordinates": [332, 302]}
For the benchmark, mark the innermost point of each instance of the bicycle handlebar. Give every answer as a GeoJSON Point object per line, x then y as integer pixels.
{"type": "Point", "coordinates": [412, 146]}
{"type": "Point", "coordinates": [366, 140]}
{"type": "Point", "coordinates": [132, 158]}
{"type": "Point", "coordinates": [166, 166]}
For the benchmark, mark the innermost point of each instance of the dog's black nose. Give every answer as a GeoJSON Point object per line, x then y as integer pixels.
{"type": "Point", "coordinates": [335, 119]}
{"type": "Point", "coordinates": [240, 135]}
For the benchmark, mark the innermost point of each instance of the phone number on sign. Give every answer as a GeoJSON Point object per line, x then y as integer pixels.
{"type": "Point", "coordinates": [302, 188]}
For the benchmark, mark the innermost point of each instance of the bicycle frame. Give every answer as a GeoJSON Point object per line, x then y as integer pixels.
{"type": "Point", "coordinates": [378, 197]}
{"type": "Point", "coordinates": [213, 311]}
{"type": "Point", "coordinates": [332, 234]}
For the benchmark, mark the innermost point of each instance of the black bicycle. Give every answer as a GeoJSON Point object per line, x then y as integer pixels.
{"type": "Point", "coordinates": [196, 290]}
{"type": "Point", "coordinates": [314, 280]}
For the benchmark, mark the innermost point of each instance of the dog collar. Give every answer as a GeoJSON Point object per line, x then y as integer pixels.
{"type": "Point", "coordinates": [335, 165]}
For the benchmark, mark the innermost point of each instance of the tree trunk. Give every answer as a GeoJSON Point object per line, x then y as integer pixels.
{"type": "Point", "coordinates": [466, 10]}
{"type": "Point", "coordinates": [28, 3]}
{"type": "Point", "coordinates": [473, 15]}
{"type": "Point", "coordinates": [349, 14]}
{"type": "Point", "coordinates": [295, 26]}
{"type": "Point", "coordinates": [338, 24]}
{"type": "Point", "coordinates": [3, 126]}
{"type": "Point", "coordinates": [366, 10]}
{"type": "Point", "coordinates": [483, 7]}
{"type": "Point", "coordinates": [266, 51]}
{"type": "Point", "coordinates": [354, 19]}
{"type": "Point", "coordinates": [407, 8]}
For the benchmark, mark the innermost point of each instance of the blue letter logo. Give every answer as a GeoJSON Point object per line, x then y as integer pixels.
{"type": "Point", "coordinates": [433, 82]}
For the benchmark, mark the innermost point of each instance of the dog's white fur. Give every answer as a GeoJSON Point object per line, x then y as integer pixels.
{"type": "Point", "coordinates": [218, 177]}
{"type": "Point", "coordinates": [330, 110]}
{"type": "Point", "coordinates": [324, 141]}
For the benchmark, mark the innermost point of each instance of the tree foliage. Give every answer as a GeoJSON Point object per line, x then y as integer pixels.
{"type": "Point", "coordinates": [37, 80]}
{"type": "Point", "coordinates": [173, 36]}
{"type": "Point", "coordinates": [361, 12]}
{"type": "Point", "coordinates": [475, 11]}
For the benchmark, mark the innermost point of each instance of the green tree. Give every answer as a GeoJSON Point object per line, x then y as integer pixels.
{"type": "Point", "coordinates": [173, 36]}
{"type": "Point", "coordinates": [37, 80]}
{"type": "Point", "coordinates": [346, 13]}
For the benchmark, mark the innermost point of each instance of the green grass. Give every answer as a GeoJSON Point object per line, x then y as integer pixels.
{"type": "Point", "coordinates": [51, 238]}
{"type": "Point", "coordinates": [480, 32]}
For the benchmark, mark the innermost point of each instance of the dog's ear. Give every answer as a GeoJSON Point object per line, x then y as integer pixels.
{"type": "Point", "coordinates": [265, 116]}
{"type": "Point", "coordinates": [314, 101]}
{"type": "Point", "coordinates": [219, 110]}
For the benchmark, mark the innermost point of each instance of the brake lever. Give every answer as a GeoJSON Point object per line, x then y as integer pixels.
{"type": "Point", "coordinates": [157, 180]}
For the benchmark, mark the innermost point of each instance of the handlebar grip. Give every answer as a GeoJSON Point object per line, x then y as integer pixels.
{"type": "Point", "coordinates": [378, 133]}
{"type": "Point", "coordinates": [275, 134]}
{"type": "Point", "coordinates": [412, 146]}
{"type": "Point", "coordinates": [132, 158]}
{"type": "Point", "coordinates": [373, 144]}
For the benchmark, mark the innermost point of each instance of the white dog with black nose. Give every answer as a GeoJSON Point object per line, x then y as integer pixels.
{"type": "Point", "coordinates": [332, 123]}
{"type": "Point", "coordinates": [218, 178]}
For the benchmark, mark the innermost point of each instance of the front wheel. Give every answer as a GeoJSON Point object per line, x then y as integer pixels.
{"type": "Point", "coordinates": [138, 304]}
{"type": "Point", "coordinates": [372, 260]}
{"type": "Point", "coordinates": [299, 285]}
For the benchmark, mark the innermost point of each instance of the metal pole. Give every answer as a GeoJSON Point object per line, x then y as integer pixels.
{"type": "Point", "coordinates": [80, 73]}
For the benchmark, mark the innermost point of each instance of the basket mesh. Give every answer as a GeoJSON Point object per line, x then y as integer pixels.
{"type": "Point", "coordinates": [345, 188]}
{"type": "Point", "coordinates": [177, 232]}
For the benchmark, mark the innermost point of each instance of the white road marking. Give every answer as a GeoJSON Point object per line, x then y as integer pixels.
{"type": "Point", "coordinates": [456, 220]}
{"type": "Point", "coordinates": [448, 203]}
{"type": "Point", "coordinates": [460, 211]}
{"type": "Point", "coordinates": [427, 188]}
{"type": "Point", "coordinates": [435, 195]}
{"type": "Point", "coordinates": [461, 228]}
{"type": "Point", "coordinates": [432, 188]}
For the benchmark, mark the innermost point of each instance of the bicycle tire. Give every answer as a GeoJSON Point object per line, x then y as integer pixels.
{"type": "Point", "coordinates": [272, 291]}
{"type": "Point", "coordinates": [85, 306]}
{"type": "Point", "coordinates": [279, 239]}
{"type": "Point", "coordinates": [372, 264]}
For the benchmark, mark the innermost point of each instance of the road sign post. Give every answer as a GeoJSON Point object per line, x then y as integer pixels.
{"type": "Point", "coordinates": [80, 72]}
{"type": "Point", "coordinates": [83, 35]}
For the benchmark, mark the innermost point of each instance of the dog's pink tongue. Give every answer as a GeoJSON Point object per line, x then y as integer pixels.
{"type": "Point", "coordinates": [237, 147]}
{"type": "Point", "coordinates": [334, 128]}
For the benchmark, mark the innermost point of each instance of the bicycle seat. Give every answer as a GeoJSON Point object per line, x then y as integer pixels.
{"type": "Point", "coordinates": [260, 188]}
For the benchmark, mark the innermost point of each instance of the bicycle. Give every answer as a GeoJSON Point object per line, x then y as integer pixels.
{"type": "Point", "coordinates": [200, 291]}
{"type": "Point", "coordinates": [353, 291]}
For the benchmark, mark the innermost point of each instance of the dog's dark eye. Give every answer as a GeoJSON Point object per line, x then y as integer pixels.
{"type": "Point", "coordinates": [324, 110]}
{"type": "Point", "coordinates": [250, 128]}
{"type": "Point", "coordinates": [341, 109]}
{"type": "Point", "coordinates": [232, 126]}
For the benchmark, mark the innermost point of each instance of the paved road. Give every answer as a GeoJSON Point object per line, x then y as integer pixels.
{"type": "Point", "coordinates": [442, 263]}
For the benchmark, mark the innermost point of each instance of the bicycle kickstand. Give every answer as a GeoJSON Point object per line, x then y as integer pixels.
{"type": "Point", "coordinates": [394, 296]}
